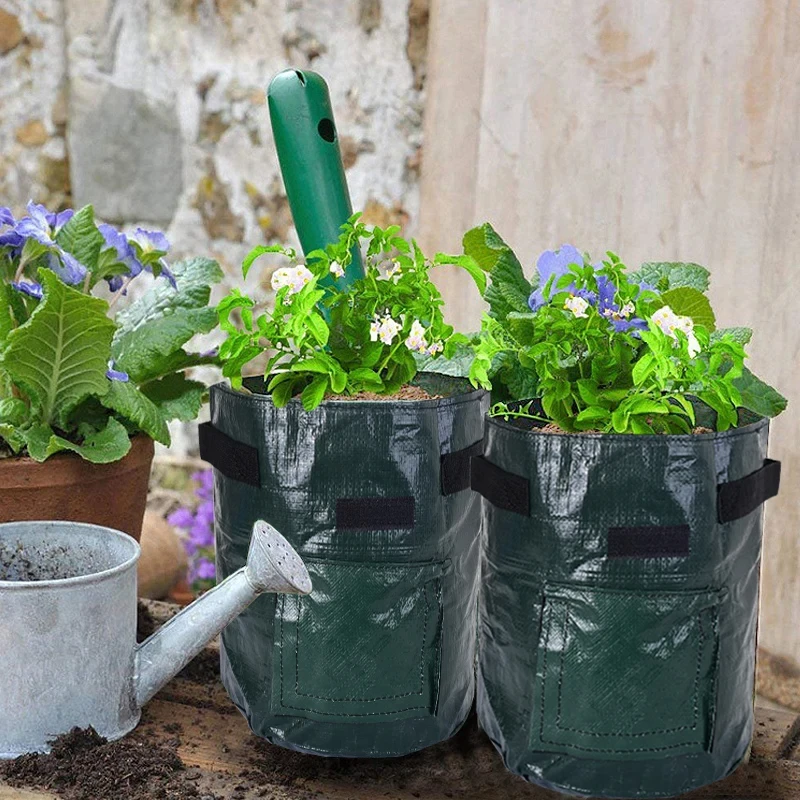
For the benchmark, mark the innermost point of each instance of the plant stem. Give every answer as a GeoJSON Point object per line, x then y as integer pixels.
{"type": "Point", "coordinates": [86, 281]}
{"type": "Point", "coordinates": [120, 291]}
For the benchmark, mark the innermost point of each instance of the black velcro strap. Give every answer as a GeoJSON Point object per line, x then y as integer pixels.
{"type": "Point", "coordinates": [454, 468]}
{"type": "Point", "coordinates": [374, 513]}
{"type": "Point", "coordinates": [649, 542]}
{"type": "Point", "coordinates": [502, 489]}
{"type": "Point", "coordinates": [738, 498]}
{"type": "Point", "coordinates": [233, 459]}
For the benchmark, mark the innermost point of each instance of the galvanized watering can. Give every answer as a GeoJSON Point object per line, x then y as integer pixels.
{"type": "Point", "coordinates": [68, 652]}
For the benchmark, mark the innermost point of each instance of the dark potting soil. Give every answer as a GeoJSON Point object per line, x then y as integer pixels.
{"type": "Point", "coordinates": [145, 624]}
{"type": "Point", "coordinates": [82, 765]}
{"type": "Point", "coordinates": [203, 669]}
{"type": "Point", "coordinates": [535, 426]}
{"type": "Point", "coordinates": [403, 393]}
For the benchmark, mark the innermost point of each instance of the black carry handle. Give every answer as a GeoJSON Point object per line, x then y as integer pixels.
{"type": "Point", "coordinates": [737, 499]}
{"type": "Point", "coordinates": [233, 459]}
{"type": "Point", "coordinates": [239, 461]}
{"type": "Point", "coordinates": [502, 489]}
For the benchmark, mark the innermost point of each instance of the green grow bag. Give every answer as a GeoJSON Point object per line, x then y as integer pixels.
{"type": "Point", "coordinates": [619, 605]}
{"type": "Point", "coordinates": [374, 495]}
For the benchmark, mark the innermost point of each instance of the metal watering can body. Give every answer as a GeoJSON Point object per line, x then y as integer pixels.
{"type": "Point", "coordinates": [68, 652]}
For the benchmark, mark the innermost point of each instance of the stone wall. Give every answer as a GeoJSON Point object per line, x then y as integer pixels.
{"type": "Point", "coordinates": [155, 112]}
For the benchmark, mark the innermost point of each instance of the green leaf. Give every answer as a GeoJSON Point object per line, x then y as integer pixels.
{"type": "Point", "coordinates": [467, 263]}
{"type": "Point", "coordinates": [12, 436]}
{"type": "Point", "coordinates": [259, 251]}
{"type": "Point", "coordinates": [160, 322]}
{"type": "Point", "coordinates": [666, 275]}
{"type": "Point", "coordinates": [100, 447]}
{"type": "Point", "coordinates": [366, 377]}
{"type": "Point", "coordinates": [181, 360]}
{"type": "Point", "coordinates": [129, 402]}
{"type": "Point", "coordinates": [176, 396]}
{"type": "Point", "coordinates": [6, 318]}
{"type": "Point", "coordinates": [318, 327]}
{"type": "Point", "coordinates": [81, 238]}
{"type": "Point", "coordinates": [484, 246]}
{"type": "Point", "coordinates": [741, 335]}
{"type": "Point", "coordinates": [758, 396]}
{"type": "Point", "coordinates": [13, 411]}
{"type": "Point", "coordinates": [283, 393]}
{"type": "Point", "coordinates": [314, 393]}
{"type": "Point", "coordinates": [692, 303]}
{"type": "Point", "coordinates": [316, 365]}
{"type": "Point", "coordinates": [458, 365]}
{"type": "Point", "coordinates": [509, 289]}
{"type": "Point", "coordinates": [60, 355]}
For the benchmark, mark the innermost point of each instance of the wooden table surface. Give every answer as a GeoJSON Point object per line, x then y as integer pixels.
{"type": "Point", "coordinates": [213, 740]}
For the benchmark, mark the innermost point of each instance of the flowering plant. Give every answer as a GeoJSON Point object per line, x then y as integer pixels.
{"type": "Point", "coordinates": [327, 340]}
{"type": "Point", "coordinates": [197, 524]}
{"type": "Point", "coordinates": [608, 350]}
{"type": "Point", "coordinates": [71, 376]}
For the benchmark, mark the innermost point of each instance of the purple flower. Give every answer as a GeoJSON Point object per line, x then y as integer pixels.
{"type": "Point", "coordinates": [167, 273]}
{"type": "Point", "coordinates": [606, 292]}
{"type": "Point", "coordinates": [204, 570]}
{"type": "Point", "coordinates": [181, 518]}
{"type": "Point", "coordinates": [67, 267]}
{"type": "Point", "coordinates": [36, 225]}
{"type": "Point", "coordinates": [117, 241]}
{"type": "Point", "coordinates": [623, 325]}
{"type": "Point", "coordinates": [30, 288]}
{"type": "Point", "coordinates": [6, 217]}
{"type": "Point", "coordinates": [205, 478]}
{"type": "Point", "coordinates": [201, 534]}
{"type": "Point", "coordinates": [556, 263]}
{"type": "Point", "coordinates": [150, 241]}
{"type": "Point", "coordinates": [58, 220]}
{"type": "Point", "coordinates": [115, 374]}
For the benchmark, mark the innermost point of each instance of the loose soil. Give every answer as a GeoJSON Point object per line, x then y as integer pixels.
{"type": "Point", "coordinates": [145, 624]}
{"type": "Point", "coordinates": [82, 765]}
{"type": "Point", "coordinates": [403, 393]}
{"type": "Point", "coordinates": [534, 426]}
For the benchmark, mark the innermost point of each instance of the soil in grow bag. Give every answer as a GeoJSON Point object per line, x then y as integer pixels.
{"type": "Point", "coordinates": [374, 495]}
{"type": "Point", "coordinates": [619, 605]}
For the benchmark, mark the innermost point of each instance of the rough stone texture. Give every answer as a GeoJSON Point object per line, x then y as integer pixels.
{"type": "Point", "coordinates": [155, 112]}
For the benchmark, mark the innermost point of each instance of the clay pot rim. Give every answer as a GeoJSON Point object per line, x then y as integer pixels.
{"type": "Point", "coordinates": [76, 580]}
{"type": "Point", "coordinates": [64, 469]}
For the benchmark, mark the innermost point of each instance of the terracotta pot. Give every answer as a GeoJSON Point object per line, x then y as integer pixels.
{"type": "Point", "coordinates": [67, 487]}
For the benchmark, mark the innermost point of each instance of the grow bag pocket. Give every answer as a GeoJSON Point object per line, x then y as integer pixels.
{"type": "Point", "coordinates": [626, 673]}
{"type": "Point", "coordinates": [364, 646]}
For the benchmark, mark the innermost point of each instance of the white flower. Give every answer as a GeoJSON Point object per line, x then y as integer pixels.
{"type": "Point", "coordinates": [280, 278]}
{"type": "Point", "coordinates": [384, 328]}
{"type": "Point", "coordinates": [337, 269]}
{"type": "Point", "coordinates": [293, 277]}
{"type": "Point", "coordinates": [577, 305]}
{"type": "Point", "coordinates": [435, 348]}
{"type": "Point", "coordinates": [416, 337]}
{"type": "Point", "coordinates": [627, 310]}
{"type": "Point", "coordinates": [394, 271]}
{"type": "Point", "coordinates": [670, 322]}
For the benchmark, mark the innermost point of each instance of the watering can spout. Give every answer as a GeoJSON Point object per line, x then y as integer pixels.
{"type": "Point", "coordinates": [272, 566]}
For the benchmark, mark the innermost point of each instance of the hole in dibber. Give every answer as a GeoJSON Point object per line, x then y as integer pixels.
{"type": "Point", "coordinates": [326, 129]}
{"type": "Point", "coordinates": [300, 77]}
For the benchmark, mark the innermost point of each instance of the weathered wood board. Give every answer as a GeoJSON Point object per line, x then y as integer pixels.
{"type": "Point", "coordinates": [662, 131]}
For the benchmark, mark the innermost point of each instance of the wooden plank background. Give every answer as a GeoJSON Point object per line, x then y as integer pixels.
{"type": "Point", "coordinates": [660, 130]}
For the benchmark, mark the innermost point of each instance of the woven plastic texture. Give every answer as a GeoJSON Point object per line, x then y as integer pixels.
{"type": "Point", "coordinates": [618, 616]}
{"type": "Point", "coordinates": [379, 659]}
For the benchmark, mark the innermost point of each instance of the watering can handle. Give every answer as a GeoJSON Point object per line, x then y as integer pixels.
{"type": "Point", "coordinates": [307, 143]}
